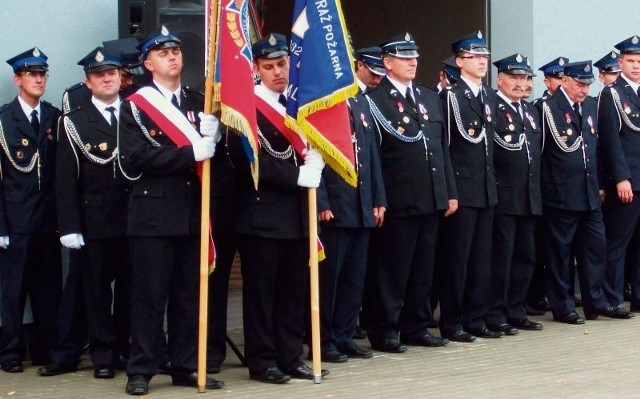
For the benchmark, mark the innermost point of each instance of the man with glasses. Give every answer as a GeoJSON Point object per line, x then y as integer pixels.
{"type": "Point", "coordinates": [470, 109]}
{"type": "Point", "coordinates": [29, 247]}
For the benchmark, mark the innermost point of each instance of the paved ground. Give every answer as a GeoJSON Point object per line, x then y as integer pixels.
{"type": "Point", "coordinates": [597, 360]}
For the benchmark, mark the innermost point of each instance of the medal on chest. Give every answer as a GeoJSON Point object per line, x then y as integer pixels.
{"type": "Point", "coordinates": [364, 122]}
{"type": "Point", "coordinates": [400, 106]}
{"type": "Point", "coordinates": [531, 121]}
{"type": "Point", "coordinates": [511, 126]}
{"type": "Point", "coordinates": [423, 111]}
{"type": "Point", "coordinates": [487, 112]}
{"type": "Point", "coordinates": [590, 122]}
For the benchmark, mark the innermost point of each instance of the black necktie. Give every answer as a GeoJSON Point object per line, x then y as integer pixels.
{"type": "Point", "coordinates": [174, 101]}
{"type": "Point", "coordinates": [479, 96]}
{"type": "Point", "coordinates": [35, 123]}
{"type": "Point", "coordinates": [576, 108]}
{"type": "Point", "coordinates": [282, 100]}
{"type": "Point", "coordinates": [113, 121]}
{"type": "Point", "coordinates": [409, 98]}
{"type": "Point", "coordinates": [516, 105]}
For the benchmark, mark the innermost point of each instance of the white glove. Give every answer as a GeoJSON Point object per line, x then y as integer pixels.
{"type": "Point", "coordinates": [309, 176]}
{"type": "Point", "coordinates": [209, 126]}
{"type": "Point", "coordinates": [314, 159]}
{"type": "Point", "coordinates": [73, 240]}
{"type": "Point", "coordinates": [203, 148]}
{"type": "Point", "coordinates": [4, 242]}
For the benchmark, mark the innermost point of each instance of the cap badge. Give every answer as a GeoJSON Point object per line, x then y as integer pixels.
{"type": "Point", "coordinates": [99, 56]}
{"type": "Point", "coordinates": [587, 68]}
{"type": "Point", "coordinates": [407, 37]}
{"type": "Point", "coordinates": [164, 31]}
{"type": "Point", "coordinates": [561, 62]}
{"type": "Point", "coordinates": [36, 52]}
{"type": "Point", "coordinates": [479, 35]}
{"type": "Point", "coordinates": [518, 58]}
{"type": "Point", "coordinates": [635, 40]}
{"type": "Point", "coordinates": [614, 55]}
{"type": "Point", "coordinates": [528, 63]}
{"type": "Point", "coordinates": [272, 40]}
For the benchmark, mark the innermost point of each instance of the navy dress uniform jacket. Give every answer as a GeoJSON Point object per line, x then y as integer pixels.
{"type": "Point", "coordinates": [517, 168]}
{"type": "Point", "coordinates": [472, 162]}
{"type": "Point", "coordinates": [278, 208]}
{"type": "Point", "coordinates": [92, 198]}
{"type": "Point", "coordinates": [165, 200]}
{"type": "Point", "coordinates": [619, 128]}
{"type": "Point", "coordinates": [28, 199]}
{"type": "Point", "coordinates": [412, 189]}
{"type": "Point", "coordinates": [353, 207]}
{"type": "Point", "coordinates": [569, 180]}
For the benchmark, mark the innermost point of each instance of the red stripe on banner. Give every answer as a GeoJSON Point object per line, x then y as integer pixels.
{"type": "Point", "coordinates": [277, 120]}
{"type": "Point", "coordinates": [178, 138]}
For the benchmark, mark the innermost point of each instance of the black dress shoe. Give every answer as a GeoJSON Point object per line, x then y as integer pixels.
{"type": "Point", "coordinates": [56, 369]}
{"type": "Point", "coordinates": [460, 336]}
{"type": "Point", "coordinates": [191, 380]}
{"type": "Point", "coordinates": [12, 366]}
{"type": "Point", "coordinates": [360, 333]}
{"type": "Point", "coordinates": [357, 352]}
{"type": "Point", "coordinates": [615, 312]}
{"type": "Point", "coordinates": [213, 367]}
{"type": "Point", "coordinates": [526, 324]}
{"type": "Point", "coordinates": [569, 318]}
{"type": "Point", "coordinates": [426, 340]}
{"type": "Point", "coordinates": [104, 372]}
{"type": "Point", "coordinates": [272, 375]}
{"type": "Point", "coordinates": [304, 372]}
{"type": "Point", "coordinates": [334, 356]}
{"type": "Point", "coordinates": [484, 332]}
{"type": "Point", "coordinates": [507, 329]}
{"type": "Point", "coordinates": [389, 345]}
{"type": "Point", "coordinates": [138, 384]}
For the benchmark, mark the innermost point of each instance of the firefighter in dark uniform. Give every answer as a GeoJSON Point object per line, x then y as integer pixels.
{"type": "Point", "coordinates": [470, 107]}
{"type": "Point", "coordinates": [618, 127]}
{"type": "Point", "coordinates": [29, 247]}
{"type": "Point", "coordinates": [369, 68]}
{"type": "Point", "coordinates": [537, 304]}
{"type": "Point", "coordinates": [570, 197]}
{"type": "Point", "coordinates": [272, 228]}
{"type": "Point", "coordinates": [516, 157]}
{"type": "Point", "coordinates": [92, 196]}
{"type": "Point", "coordinates": [419, 185]}
{"type": "Point", "coordinates": [347, 214]}
{"type": "Point", "coordinates": [164, 213]}
{"type": "Point", "coordinates": [608, 68]}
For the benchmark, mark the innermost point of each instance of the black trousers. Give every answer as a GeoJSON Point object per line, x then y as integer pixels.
{"type": "Point", "coordinates": [622, 232]}
{"type": "Point", "coordinates": [275, 282]}
{"type": "Point", "coordinates": [165, 273]}
{"type": "Point", "coordinates": [226, 245]}
{"type": "Point", "coordinates": [30, 265]}
{"type": "Point", "coordinates": [399, 277]}
{"type": "Point", "coordinates": [342, 276]}
{"type": "Point", "coordinates": [513, 261]}
{"type": "Point", "coordinates": [466, 283]}
{"type": "Point", "coordinates": [537, 289]}
{"type": "Point", "coordinates": [101, 263]}
{"type": "Point", "coordinates": [582, 232]}
{"type": "Point", "coordinates": [72, 316]}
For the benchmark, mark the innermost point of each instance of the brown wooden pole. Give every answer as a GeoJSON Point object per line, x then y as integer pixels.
{"type": "Point", "coordinates": [205, 205]}
{"type": "Point", "coordinates": [314, 286]}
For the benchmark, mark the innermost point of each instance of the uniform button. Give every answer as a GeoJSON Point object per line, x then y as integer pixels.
{"type": "Point", "coordinates": [359, 165]}
{"type": "Point", "coordinates": [126, 190]}
{"type": "Point", "coordinates": [188, 183]}
{"type": "Point", "coordinates": [433, 169]}
{"type": "Point", "coordinates": [427, 138]}
{"type": "Point", "coordinates": [257, 198]}
{"type": "Point", "coordinates": [431, 154]}
{"type": "Point", "coordinates": [586, 145]}
{"type": "Point", "coordinates": [145, 192]}
{"type": "Point", "coordinates": [488, 168]}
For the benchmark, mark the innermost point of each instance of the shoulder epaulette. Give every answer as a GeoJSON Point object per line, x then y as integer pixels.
{"type": "Point", "coordinates": [75, 86]}
{"type": "Point", "coordinates": [71, 111]}
{"type": "Point", "coordinates": [613, 84]}
{"type": "Point", "coordinates": [193, 91]}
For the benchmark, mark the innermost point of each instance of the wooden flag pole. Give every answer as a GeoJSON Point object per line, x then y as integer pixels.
{"type": "Point", "coordinates": [314, 282]}
{"type": "Point", "coordinates": [205, 206]}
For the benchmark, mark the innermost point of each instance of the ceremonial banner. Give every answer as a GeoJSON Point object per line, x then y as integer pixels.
{"type": "Point", "coordinates": [321, 79]}
{"type": "Point", "coordinates": [234, 79]}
